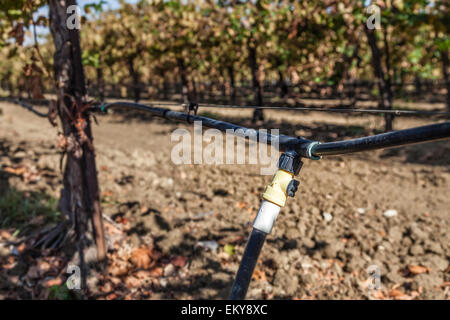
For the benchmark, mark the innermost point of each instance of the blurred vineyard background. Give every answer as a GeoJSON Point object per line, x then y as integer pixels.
{"type": "Point", "coordinates": [178, 232]}
{"type": "Point", "coordinates": [245, 52]}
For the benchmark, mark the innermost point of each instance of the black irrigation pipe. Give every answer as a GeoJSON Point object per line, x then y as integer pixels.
{"type": "Point", "coordinates": [308, 109]}
{"type": "Point", "coordinates": [27, 106]}
{"type": "Point", "coordinates": [301, 145]}
{"type": "Point", "coordinates": [247, 265]}
{"type": "Point", "coordinates": [438, 131]}
{"type": "Point", "coordinates": [340, 110]}
{"type": "Point", "coordinates": [313, 109]}
{"type": "Point", "coordinates": [304, 147]}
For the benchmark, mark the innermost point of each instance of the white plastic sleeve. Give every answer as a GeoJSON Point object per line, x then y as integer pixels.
{"type": "Point", "coordinates": [267, 215]}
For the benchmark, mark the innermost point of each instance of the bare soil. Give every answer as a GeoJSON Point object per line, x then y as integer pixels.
{"type": "Point", "coordinates": [172, 211]}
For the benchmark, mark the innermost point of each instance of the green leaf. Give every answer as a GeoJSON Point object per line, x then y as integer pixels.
{"type": "Point", "coordinates": [229, 249]}
{"type": "Point", "coordinates": [15, 12]}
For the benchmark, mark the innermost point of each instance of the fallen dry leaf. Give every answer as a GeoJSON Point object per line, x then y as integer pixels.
{"type": "Point", "coordinates": [44, 266]}
{"type": "Point", "coordinates": [231, 240]}
{"type": "Point", "coordinates": [16, 171]}
{"type": "Point", "coordinates": [4, 234]}
{"type": "Point", "coordinates": [144, 209]}
{"type": "Point", "coordinates": [27, 174]}
{"type": "Point", "coordinates": [111, 296]}
{"type": "Point", "coordinates": [107, 193]}
{"type": "Point", "coordinates": [157, 272]}
{"type": "Point", "coordinates": [132, 282]}
{"type": "Point", "coordinates": [21, 248]}
{"type": "Point", "coordinates": [143, 274]}
{"type": "Point", "coordinates": [398, 295]}
{"type": "Point", "coordinates": [241, 205]}
{"type": "Point", "coordinates": [141, 258]}
{"type": "Point", "coordinates": [118, 268]}
{"type": "Point", "coordinates": [418, 269]}
{"type": "Point", "coordinates": [52, 282]}
{"type": "Point", "coordinates": [107, 287]}
{"type": "Point", "coordinates": [259, 275]}
{"type": "Point", "coordinates": [378, 295]}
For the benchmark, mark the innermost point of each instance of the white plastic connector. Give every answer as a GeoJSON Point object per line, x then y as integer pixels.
{"type": "Point", "coordinates": [267, 215]}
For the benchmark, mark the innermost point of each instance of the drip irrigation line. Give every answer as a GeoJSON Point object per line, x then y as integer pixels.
{"type": "Point", "coordinates": [341, 110]}
{"type": "Point", "coordinates": [433, 132]}
{"type": "Point", "coordinates": [284, 142]}
{"type": "Point", "coordinates": [311, 109]}
{"type": "Point", "coordinates": [27, 106]}
{"type": "Point", "coordinates": [304, 147]}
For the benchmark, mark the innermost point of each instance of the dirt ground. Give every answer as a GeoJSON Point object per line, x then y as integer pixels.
{"type": "Point", "coordinates": [178, 231]}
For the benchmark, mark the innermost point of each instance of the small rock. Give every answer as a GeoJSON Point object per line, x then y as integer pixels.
{"type": "Point", "coordinates": [338, 270]}
{"type": "Point", "coordinates": [204, 214]}
{"type": "Point", "coordinates": [394, 277]}
{"type": "Point", "coordinates": [417, 233]}
{"type": "Point", "coordinates": [292, 233]}
{"type": "Point", "coordinates": [209, 245]}
{"type": "Point", "coordinates": [434, 247]}
{"type": "Point", "coordinates": [390, 213]}
{"type": "Point", "coordinates": [395, 234]}
{"type": "Point", "coordinates": [309, 278]}
{"type": "Point", "coordinates": [256, 293]}
{"type": "Point", "coordinates": [4, 251]}
{"type": "Point", "coordinates": [20, 154]}
{"type": "Point", "coordinates": [169, 270]}
{"type": "Point", "coordinates": [416, 250]}
{"type": "Point", "coordinates": [332, 249]}
{"type": "Point", "coordinates": [308, 243]}
{"type": "Point", "coordinates": [436, 262]}
{"type": "Point", "coordinates": [163, 282]}
{"type": "Point", "coordinates": [135, 240]}
{"type": "Point", "coordinates": [407, 242]}
{"type": "Point", "coordinates": [361, 210]}
{"type": "Point", "coordinates": [288, 282]}
{"type": "Point", "coordinates": [428, 281]}
{"type": "Point", "coordinates": [327, 216]}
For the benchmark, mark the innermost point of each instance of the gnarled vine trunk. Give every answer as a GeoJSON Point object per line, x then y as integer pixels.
{"type": "Point", "coordinates": [80, 196]}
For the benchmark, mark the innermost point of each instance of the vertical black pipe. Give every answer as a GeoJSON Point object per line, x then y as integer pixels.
{"type": "Point", "coordinates": [248, 263]}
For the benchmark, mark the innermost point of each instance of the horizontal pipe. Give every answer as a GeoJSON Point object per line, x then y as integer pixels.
{"type": "Point", "coordinates": [385, 140]}
{"type": "Point", "coordinates": [300, 145]}
{"type": "Point", "coordinates": [336, 110]}
{"type": "Point", "coordinates": [304, 147]}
